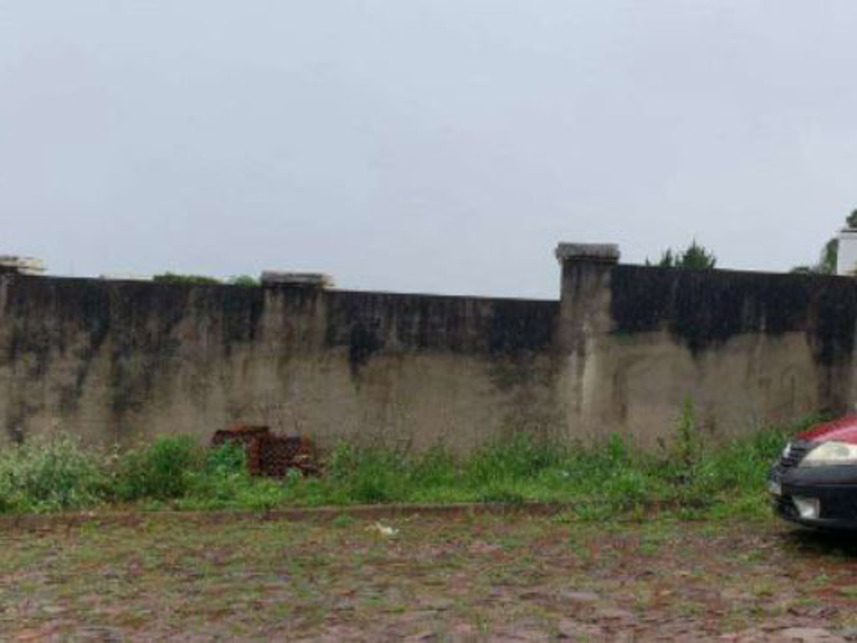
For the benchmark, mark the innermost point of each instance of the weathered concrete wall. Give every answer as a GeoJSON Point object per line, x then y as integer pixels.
{"type": "Point", "coordinates": [619, 353]}
{"type": "Point", "coordinates": [745, 348]}
{"type": "Point", "coordinates": [119, 362]}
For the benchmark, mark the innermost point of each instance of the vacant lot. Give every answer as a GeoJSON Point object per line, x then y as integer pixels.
{"type": "Point", "coordinates": [465, 578]}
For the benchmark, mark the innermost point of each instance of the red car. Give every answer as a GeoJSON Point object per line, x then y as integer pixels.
{"type": "Point", "coordinates": [815, 481]}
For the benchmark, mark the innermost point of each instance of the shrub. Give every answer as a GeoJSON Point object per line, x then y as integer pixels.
{"type": "Point", "coordinates": [51, 474]}
{"type": "Point", "coordinates": [628, 488]}
{"type": "Point", "coordinates": [161, 470]}
{"type": "Point", "coordinates": [221, 478]}
{"type": "Point", "coordinates": [521, 457]}
{"type": "Point", "coordinates": [230, 457]}
{"type": "Point", "coordinates": [370, 476]}
{"type": "Point", "coordinates": [378, 477]}
{"type": "Point", "coordinates": [434, 469]}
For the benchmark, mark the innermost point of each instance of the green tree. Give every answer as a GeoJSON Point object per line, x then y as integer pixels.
{"type": "Point", "coordinates": [695, 256]}
{"type": "Point", "coordinates": [826, 264]}
{"type": "Point", "coordinates": [829, 254]}
{"type": "Point", "coordinates": [245, 281]}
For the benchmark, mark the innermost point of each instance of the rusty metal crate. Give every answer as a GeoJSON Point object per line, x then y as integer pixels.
{"type": "Point", "coordinates": [269, 454]}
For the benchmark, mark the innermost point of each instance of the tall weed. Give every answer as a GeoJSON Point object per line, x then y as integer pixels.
{"type": "Point", "coordinates": [51, 474]}
{"type": "Point", "coordinates": [521, 457]}
{"type": "Point", "coordinates": [160, 471]}
{"type": "Point", "coordinates": [612, 477]}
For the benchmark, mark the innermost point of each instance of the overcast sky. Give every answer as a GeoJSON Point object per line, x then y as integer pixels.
{"type": "Point", "coordinates": [422, 145]}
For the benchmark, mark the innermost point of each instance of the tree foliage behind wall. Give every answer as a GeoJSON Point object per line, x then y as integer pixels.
{"type": "Point", "coordinates": [695, 256]}
{"type": "Point", "coordinates": [174, 278]}
{"type": "Point", "coordinates": [826, 264]}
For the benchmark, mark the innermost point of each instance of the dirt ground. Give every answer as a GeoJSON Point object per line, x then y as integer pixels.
{"type": "Point", "coordinates": [426, 579]}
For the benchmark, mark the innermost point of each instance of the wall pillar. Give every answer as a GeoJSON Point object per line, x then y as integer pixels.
{"type": "Point", "coordinates": [584, 320]}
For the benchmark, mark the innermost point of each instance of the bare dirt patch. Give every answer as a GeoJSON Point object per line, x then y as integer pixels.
{"type": "Point", "coordinates": [461, 578]}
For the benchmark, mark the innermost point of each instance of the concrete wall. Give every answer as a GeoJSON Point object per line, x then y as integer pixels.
{"type": "Point", "coordinates": [620, 352]}
{"type": "Point", "coordinates": [120, 362]}
{"type": "Point", "coordinates": [744, 348]}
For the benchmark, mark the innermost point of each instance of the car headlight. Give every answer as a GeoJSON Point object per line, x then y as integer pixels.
{"type": "Point", "coordinates": [831, 454]}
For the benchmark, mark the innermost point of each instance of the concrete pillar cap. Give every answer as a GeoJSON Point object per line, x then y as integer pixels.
{"type": "Point", "coordinates": [592, 252]}
{"type": "Point", "coordinates": [22, 265]}
{"type": "Point", "coordinates": [306, 279]}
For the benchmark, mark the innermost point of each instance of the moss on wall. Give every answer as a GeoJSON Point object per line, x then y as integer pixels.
{"type": "Point", "coordinates": [369, 323]}
{"type": "Point", "coordinates": [703, 309]}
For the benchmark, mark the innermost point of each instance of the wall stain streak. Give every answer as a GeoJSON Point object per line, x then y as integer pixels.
{"type": "Point", "coordinates": [705, 308]}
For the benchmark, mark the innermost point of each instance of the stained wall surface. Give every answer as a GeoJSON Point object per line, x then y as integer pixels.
{"type": "Point", "coordinates": [118, 362]}
{"type": "Point", "coordinates": [744, 349]}
{"type": "Point", "coordinates": [623, 351]}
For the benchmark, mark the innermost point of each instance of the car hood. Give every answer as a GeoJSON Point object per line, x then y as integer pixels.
{"type": "Point", "coordinates": [841, 430]}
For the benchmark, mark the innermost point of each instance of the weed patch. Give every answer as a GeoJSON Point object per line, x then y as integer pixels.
{"type": "Point", "coordinates": [683, 479]}
{"type": "Point", "coordinates": [161, 470]}
{"type": "Point", "coordinates": [51, 474]}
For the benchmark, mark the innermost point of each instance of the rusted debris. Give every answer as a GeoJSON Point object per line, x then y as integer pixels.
{"type": "Point", "coordinates": [269, 454]}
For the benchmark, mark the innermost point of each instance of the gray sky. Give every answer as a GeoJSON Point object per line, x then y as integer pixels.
{"type": "Point", "coordinates": [422, 145]}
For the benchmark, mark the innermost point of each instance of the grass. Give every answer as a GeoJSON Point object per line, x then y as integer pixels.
{"type": "Point", "coordinates": [684, 478]}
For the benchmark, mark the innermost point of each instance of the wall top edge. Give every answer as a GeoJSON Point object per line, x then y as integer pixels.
{"type": "Point", "coordinates": [597, 252]}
